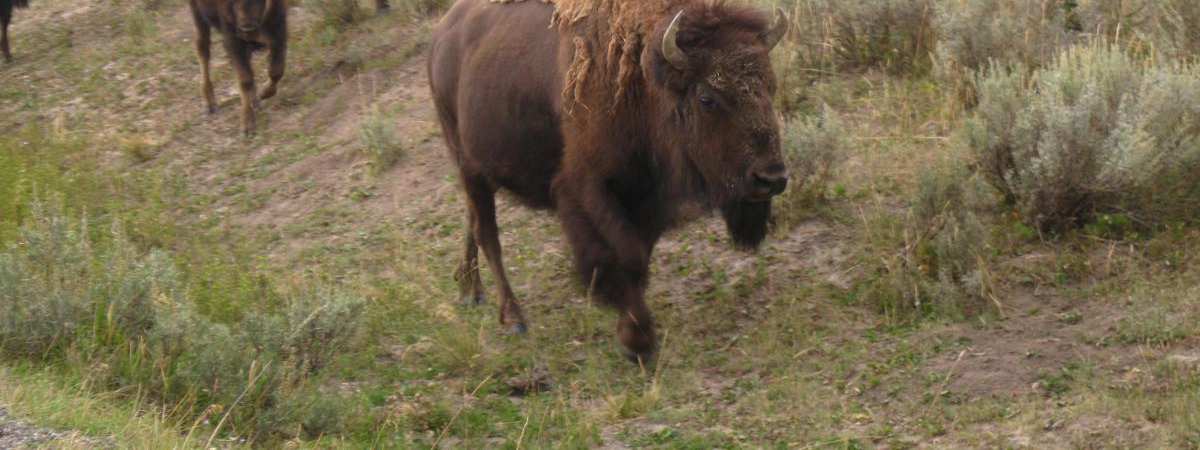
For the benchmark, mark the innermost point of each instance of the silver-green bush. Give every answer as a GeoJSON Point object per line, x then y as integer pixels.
{"type": "Point", "coordinates": [380, 142]}
{"type": "Point", "coordinates": [337, 14]}
{"type": "Point", "coordinates": [831, 35]}
{"type": "Point", "coordinates": [814, 147]}
{"type": "Point", "coordinates": [974, 32]}
{"type": "Point", "coordinates": [1095, 131]}
{"type": "Point", "coordinates": [1168, 29]}
{"type": "Point", "coordinates": [105, 304]}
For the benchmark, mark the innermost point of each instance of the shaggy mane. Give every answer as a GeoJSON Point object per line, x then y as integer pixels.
{"type": "Point", "coordinates": [609, 36]}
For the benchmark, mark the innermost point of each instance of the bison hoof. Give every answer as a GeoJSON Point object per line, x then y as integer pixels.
{"type": "Point", "coordinates": [212, 110]}
{"type": "Point", "coordinates": [474, 299]}
{"type": "Point", "coordinates": [518, 329]}
{"type": "Point", "coordinates": [643, 359]}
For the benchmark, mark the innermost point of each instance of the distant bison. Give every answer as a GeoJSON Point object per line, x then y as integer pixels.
{"type": "Point", "coordinates": [247, 26]}
{"type": "Point", "coordinates": [6, 12]}
{"type": "Point", "coordinates": [620, 117]}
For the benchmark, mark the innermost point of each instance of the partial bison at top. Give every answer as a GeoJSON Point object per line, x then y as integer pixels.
{"type": "Point", "coordinates": [6, 12]}
{"type": "Point", "coordinates": [615, 114]}
{"type": "Point", "coordinates": [247, 26]}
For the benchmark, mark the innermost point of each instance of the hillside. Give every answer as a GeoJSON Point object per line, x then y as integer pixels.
{"type": "Point", "coordinates": [837, 334]}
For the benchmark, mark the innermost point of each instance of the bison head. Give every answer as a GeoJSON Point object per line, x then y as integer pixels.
{"type": "Point", "coordinates": [711, 73]}
{"type": "Point", "coordinates": [249, 15]}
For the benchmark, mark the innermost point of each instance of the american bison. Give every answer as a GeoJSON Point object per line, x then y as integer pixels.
{"type": "Point", "coordinates": [619, 117]}
{"type": "Point", "coordinates": [6, 12]}
{"type": "Point", "coordinates": [246, 26]}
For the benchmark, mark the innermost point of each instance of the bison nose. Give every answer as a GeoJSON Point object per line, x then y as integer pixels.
{"type": "Point", "coordinates": [771, 183]}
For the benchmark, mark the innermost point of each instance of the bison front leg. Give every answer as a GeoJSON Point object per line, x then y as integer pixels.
{"type": "Point", "coordinates": [614, 285]}
{"type": "Point", "coordinates": [4, 39]}
{"type": "Point", "coordinates": [204, 54]}
{"type": "Point", "coordinates": [612, 257]}
{"type": "Point", "coordinates": [278, 62]}
{"type": "Point", "coordinates": [239, 56]}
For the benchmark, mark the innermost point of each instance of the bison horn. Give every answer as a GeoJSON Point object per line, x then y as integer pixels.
{"type": "Point", "coordinates": [778, 29]}
{"type": "Point", "coordinates": [670, 45]}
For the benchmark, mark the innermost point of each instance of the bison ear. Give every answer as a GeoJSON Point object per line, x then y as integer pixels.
{"type": "Point", "coordinates": [747, 223]}
{"type": "Point", "coordinates": [772, 36]}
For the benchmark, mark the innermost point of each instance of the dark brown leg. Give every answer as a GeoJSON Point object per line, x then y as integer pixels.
{"type": "Point", "coordinates": [239, 56]}
{"type": "Point", "coordinates": [635, 327]}
{"type": "Point", "coordinates": [382, 6]}
{"type": "Point", "coordinates": [204, 53]}
{"type": "Point", "coordinates": [278, 62]}
{"type": "Point", "coordinates": [620, 287]}
{"type": "Point", "coordinates": [482, 201]}
{"type": "Point", "coordinates": [4, 40]}
{"type": "Point", "coordinates": [470, 287]}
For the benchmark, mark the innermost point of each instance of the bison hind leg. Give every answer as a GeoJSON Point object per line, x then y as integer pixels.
{"type": "Point", "coordinates": [470, 287]}
{"type": "Point", "coordinates": [481, 199]}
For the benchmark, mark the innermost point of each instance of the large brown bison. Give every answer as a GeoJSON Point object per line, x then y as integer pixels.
{"type": "Point", "coordinates": [6, 12]}
{"type": "Point", "coordinates": [246, 26]}
{"type": "Point", "coordinates": [620, 117]}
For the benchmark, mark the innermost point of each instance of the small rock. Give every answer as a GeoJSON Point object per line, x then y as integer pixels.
{"type": "Point", "coordinates": [538, 380]}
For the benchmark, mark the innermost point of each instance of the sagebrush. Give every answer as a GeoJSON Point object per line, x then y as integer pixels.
{"type": "Point", "coordinates": [125, 314]}
{"type": "Point", "coordinates": [1095, 132]}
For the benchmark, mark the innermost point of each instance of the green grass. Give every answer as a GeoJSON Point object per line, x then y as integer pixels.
{"type": "Point", "coordinates": [66, 402]}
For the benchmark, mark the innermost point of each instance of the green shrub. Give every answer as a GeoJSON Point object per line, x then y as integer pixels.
{"type": "Point", "coordinates": [380, 142]}
{"type": "Point", "coordinates": [831, 36]}
{"type": "Point", "coordinates": [1094, 132]}
{"type": "Point", "coordinates": [814, 148]}
{"type": "Point", "coordinates": [126, 314]}
{"type": "Point", "coordinates": [336, 14]}
{"type": "Point", "coordinates": [423, 8]}
{"type": "Point", "coordinates": [974, 34]}
{"type": "Point", "coordinates": [932, 262]}
{"type": "Point", "coordinates": [1168, 29]}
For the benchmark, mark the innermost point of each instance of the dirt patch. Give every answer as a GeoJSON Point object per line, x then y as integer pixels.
{"type": "Point", "coordinates": [1041, 336]}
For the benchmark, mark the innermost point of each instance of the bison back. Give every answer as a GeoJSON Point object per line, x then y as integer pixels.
{"type": "Point", "coordinates": [496, 78]}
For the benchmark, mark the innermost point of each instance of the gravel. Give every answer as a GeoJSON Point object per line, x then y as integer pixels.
{"type": "Point", "coordinates": [15, 433]}
{"type": "Point", "coordinates": [18, 434]}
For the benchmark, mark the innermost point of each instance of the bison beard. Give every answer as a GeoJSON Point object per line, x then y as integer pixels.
{"type": "Point", "coordinates": [747, 223]}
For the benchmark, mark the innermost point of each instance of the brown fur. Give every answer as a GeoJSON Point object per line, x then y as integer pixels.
{"type": "Point", "coordinates": [530, 109]}
{"type": "Point", "coordinates": [6, 14]}
{"type": "Point", "coordinates": [246, 25]}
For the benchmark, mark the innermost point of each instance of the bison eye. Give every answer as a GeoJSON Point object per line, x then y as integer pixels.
{"type": "Point", "coordinates": [707, 102]}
